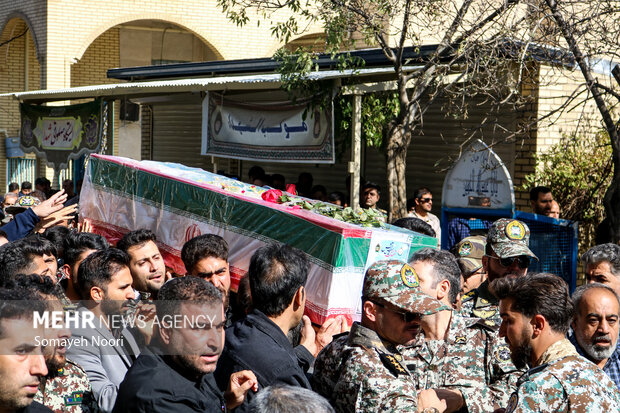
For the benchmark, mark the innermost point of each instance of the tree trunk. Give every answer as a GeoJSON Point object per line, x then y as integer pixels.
{"type": "Point", "coordinates": [612, 198]}
{"type": "Point", "coordinates": [396, 162]}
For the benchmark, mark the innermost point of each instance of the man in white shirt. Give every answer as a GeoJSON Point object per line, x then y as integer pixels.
{"type": "Point", "coordinates": [420, 207]}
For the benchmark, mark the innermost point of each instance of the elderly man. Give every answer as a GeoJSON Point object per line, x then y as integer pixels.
{"type": "Point", "coordinates": [365, 371]}
{"type": "Point", "coordinates": [602, 265]}
{"type": "Point", "coordinates": [595, 327]}
{"type": "Point", "coordinates": [506, 255]}
{"type": "Point", "coordinates": [536, 312]}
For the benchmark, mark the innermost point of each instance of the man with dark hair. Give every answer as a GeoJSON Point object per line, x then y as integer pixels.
{"type": "Point", "coordinates": [14, 188]}
{"type": "Point", "coordinates": [31, 255]}
{"type": "Point", "coordinates": [536, 312]}
{"type": "Point", "coordinates": [506, 255]}
{"type": "Point", "coordinates": [256, 175]}
{"type": "Point", "coordinates": [44, 185]}
{"type": "Point", "coordinates": [472, 369]}
{"type": "Point", "coordinates": [78, 246]}
{"type": "Point", "coordinates": [415, 224]}
{"type": "Point", "coordinates": [366, 370]}
{"type": "Point", "coordinates": [371, 193]}
{"type": "Point", "coordinates": [147, 266]}
{"type": "Point", "coordinates": [259, 341]}
{"type": "Point", "coordinates": [175, 373]}
{"type": "Point", "coordinates": [421, 208]}
{"type": "Point", "coordinates": [22, 364]}
{"type": "Point", "coordinates": [206, 256]}
{"type": "Point", "coordinates": [596, 325]}
{"type": "Point", "coordinates": [289, 399]}
{"type": "Point", "coordinates": [104, 283]}
{"type": "Point", "coordinates": [602, 265]}
{"type": "Point", "coordinates": [26, 188]}
{"type": "Point", "coordinates": [541, 200]}
{"type": "Point", "coordinates": [66, 387]}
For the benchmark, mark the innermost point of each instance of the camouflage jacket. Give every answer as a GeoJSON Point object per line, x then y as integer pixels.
{"type": "Point", "coordinates": [473, 359]}
{"type": "Point", "coordinates": [564, 382]}
{"type": "Point", "coordinates": [67, 390]}
{"type": "Point", "coordinates": [368, 375]}
{"type": "Point", "coordinates": [480, 303]}
{"type": "Point", "coordinates": [328, 366]}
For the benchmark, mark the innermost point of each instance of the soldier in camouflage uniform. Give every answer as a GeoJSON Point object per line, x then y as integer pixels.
{"type": "Point", "coordinates": [507, 253]}
{"type": "Point", "coordinates": [365, 371]}
{"type": "Point", "coordinates": [536, 312]}
{"type": "Point", "coordinates": [67, 389]}
{"type": "Point", "coordinates": [469, 253]}
{"type": "Point", "coordinates": [458, 357]}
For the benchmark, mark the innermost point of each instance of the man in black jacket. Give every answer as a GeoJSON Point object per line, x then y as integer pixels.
{"type": "Point", "coordinates": [258, 342]}
{"type": "Point", "coordinates": [175, 373]}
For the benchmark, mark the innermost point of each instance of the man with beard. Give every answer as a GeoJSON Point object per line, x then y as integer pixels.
{"type": "Point", "coordinates": [536, 312]}
{"type": "Point", "coordinates": [175, 373]}
{"type": "Point", "coordinates": [595, 327]}
{"type": "Point", "coordinates": [147, 266]}
{"type": "Point", "coordinates": [78, 246]}
{"type": "Point", "coordinates": [206, 257]}
{"type": "Point", "coordinates": [365, 371]}
{"type": "Point", "coordinates": [66, 387]}
{"type": "Point", "coordinates": [21, 361]}
{"type": "Point", "coordinates": [104, 348]}
{"type": "Point", "coordinates": [506, 254]}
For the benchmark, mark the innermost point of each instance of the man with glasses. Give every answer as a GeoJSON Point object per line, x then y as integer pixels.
{"type": "Point", "coordinates": [460, 361]}
{"type": "Point", "coordinates": [364, 371]}
{"type": "Point", "coordinates": [420, 207]}
{"type": "Point", "coordinates": [506, 255]}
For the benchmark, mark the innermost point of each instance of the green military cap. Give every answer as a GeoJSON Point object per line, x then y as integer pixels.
{"type": "Point", "coordinates": [510, 238]}
{"type": "Point", "coordinates": [397, 283]}
{"type": "Point", "coordinates": [469, 253]}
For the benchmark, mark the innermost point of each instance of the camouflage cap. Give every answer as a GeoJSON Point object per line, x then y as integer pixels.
{"type": "Point", "coordinates": [397, 283]}
{"type": "Point", "coordinates": [510, 238]}
{"type": "Point", "coordinates": [23, 203]}
{"type": "Point", "coordinates": [469, 253]}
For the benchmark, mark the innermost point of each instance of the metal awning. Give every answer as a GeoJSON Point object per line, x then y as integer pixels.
{"type": "Point", "coordinates": [195, 85]}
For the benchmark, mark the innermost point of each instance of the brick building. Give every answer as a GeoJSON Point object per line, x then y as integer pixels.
{"type": "Point", "coordinates": [67, 43]}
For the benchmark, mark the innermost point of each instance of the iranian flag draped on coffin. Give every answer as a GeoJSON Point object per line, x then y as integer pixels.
{"type": "Point", "coordinates": [178, 203]}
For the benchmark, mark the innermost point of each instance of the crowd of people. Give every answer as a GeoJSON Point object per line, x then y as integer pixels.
{"type": "Point", "coordinates": [449, 331]}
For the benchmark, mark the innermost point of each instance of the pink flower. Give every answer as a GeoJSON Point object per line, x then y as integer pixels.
{"type": "Point", "coordinates": [272, 195]}
{"type": "Point", "coordinates": [290, 188]}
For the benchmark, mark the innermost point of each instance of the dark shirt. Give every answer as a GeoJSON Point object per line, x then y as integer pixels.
{"type": "Point", "coordinates": [460, 228]}
{"type": "Point", "coordinates": [256, 343]}
{"type": "Point", "coordinates": [154, 383]}
{"type": "Point", "coordinates": [21, 225]}
{"type": "Point", "coordinates": [35, 407]}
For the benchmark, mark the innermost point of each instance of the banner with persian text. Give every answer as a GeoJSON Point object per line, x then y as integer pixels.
{"type": "Point", "coordinates": [261, 131]}
{"type": "Point", "coordinates": [60, 133]}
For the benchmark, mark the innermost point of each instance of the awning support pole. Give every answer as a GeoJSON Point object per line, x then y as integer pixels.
{"type": "Point", "coordinates": [356, 150]}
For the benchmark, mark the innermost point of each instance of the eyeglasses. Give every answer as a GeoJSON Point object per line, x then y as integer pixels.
{"type": "Point", "coordinates": [407, 317]}
{"type": "Point", "coordinates": [523, 261]}
{"type": "Point", "coordinates": [425, 200]}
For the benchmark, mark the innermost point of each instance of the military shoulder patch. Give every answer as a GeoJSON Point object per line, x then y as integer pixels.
{"type": "Point", "coordinates": [512, 403]}
{"type": "Point", "coordinates": [74, 399]}
{"type": "Point", "coordinates": [391, 363]}
{"type": "Point", "coordinates": [409, 276]}
{"type": "Point", "coordinates": [515, 230]}
{"type": "Point", "coordinates": [502, 354]}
